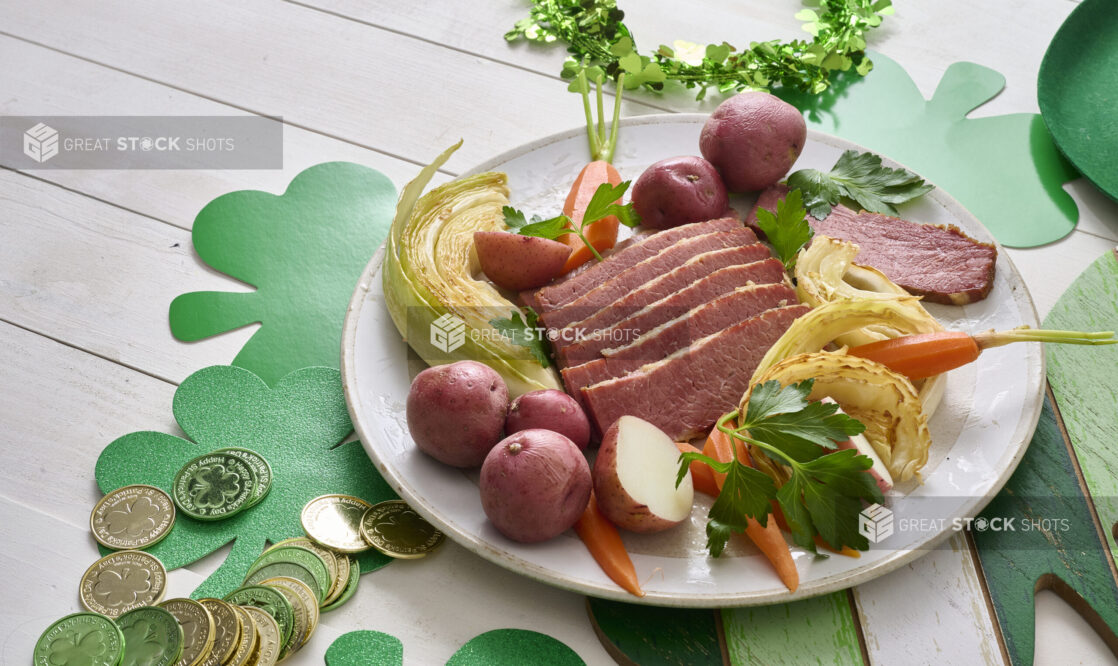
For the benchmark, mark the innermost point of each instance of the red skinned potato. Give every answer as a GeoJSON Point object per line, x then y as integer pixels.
{"type": "Point", "coordinates": [518, 262]}
{"type": "Point", "coordinates": [549, 409]}
{"type": "Point", "coordinates": [679, 190]}
{"type": "Point", "coordinates": [753, 139]}
{"type": "Point", "coordinates": [634, 478]}
{"type": "Point", "coordinates": [456, 412]}
{"type": "Point", "coordinates": [534, 485]}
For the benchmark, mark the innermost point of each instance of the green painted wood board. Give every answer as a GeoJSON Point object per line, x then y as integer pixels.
{"type": "Point", "coordinates": [1066, 554]}
{"type": "Point", "coordinates": [655, 636]}
{"type": "Point", "coordinates": [1083, 381]}
{"type": "Point", "coordinates": [811, 631]}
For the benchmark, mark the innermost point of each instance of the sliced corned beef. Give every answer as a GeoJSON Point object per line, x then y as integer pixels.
{"type": "Point", "coordinates": [552, 296]}
{"type": "Point", "coordinates": [685, 393]}
{"type": "Point", "coordinates": [759, 270]}
{"type": "Point", "coordinates": [942, 264]}
{"type": "Point", "coordinates": [668, 338]}
{"type": "Point", "coordinates": [606, 293]}
{"type": "Point", "coordinates": [647, 317]}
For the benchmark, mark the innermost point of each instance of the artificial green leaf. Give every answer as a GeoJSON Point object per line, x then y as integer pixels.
{"type": "Point", "coordinates": [296, 425]}
{"type": "Point", "coordinates": [523, 330]}
{"type": "Point", "coordinates": [788, 230]}
{"type": "Point", "coordinates": [303, 251]}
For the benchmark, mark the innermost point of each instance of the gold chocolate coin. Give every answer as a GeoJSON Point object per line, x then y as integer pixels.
{"type": "Point", "coordinates": [197, 630]}
{"type": "Point", "coordinates": [334, 521]}
{"type": "Point", "coordinates": [342, 580]}
{"type": "Point", "coordinates": [132, 517]}
{"type": "Point", "coordinates": [329, 558]}
{"type": "Point", "coordinates": [300, 595]}
{"type": "Point", "coordinates": [267, 636]}
{"type": "Point", "coordinates": [227, 630]}
{"type": "Point", "coordinates": [396, 530]}
{"type": "Point", "coordinates": [247, 643]}
{"type": "Point", "coordinates": [121, 581]}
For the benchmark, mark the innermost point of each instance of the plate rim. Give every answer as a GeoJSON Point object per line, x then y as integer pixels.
{"type": "Point", "coordinates": [1026, 426]}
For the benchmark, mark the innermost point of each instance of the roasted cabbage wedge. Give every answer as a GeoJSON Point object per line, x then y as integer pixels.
{"type": "Point", "coordinates": [429, 270]}
{"type": "Point", "coordinates": [884, 401]}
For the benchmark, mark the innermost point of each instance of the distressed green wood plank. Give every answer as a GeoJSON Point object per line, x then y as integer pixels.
{"type": "Point", "coordinates": [1083, 382]}
{"type": "Point", "coordinates": [1066, 554]}
{"type": "Point", "coordinates": [654, 636]}
{"type": "Point", "coordinates": [812, 631]}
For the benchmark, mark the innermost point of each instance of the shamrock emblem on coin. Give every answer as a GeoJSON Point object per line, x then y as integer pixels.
{"type": "Point", "coordinates": [406, 528]}
{"type": "Point", "coordinates": [214, 487]}
{"type": "Point", "coordinates": [76, 648]}
{"type": "Point", "coordinates": [115, 589]}
{"type": "Point", "coordinates": [143, 641]}
{"type": "Point", "coordinates": [296, 425]}
{"type": "Point", "coordinates": [134, 519]}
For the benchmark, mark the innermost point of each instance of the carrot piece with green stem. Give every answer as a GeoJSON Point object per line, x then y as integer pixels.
{"type": "Point", "coordinates": [604, 543]}
{"type": "Point", "coordinates": [702, 476]}
{"type": "Point", "coordinates": [769, 539]}
{"type": "Point", "coordinates": [926, 354]}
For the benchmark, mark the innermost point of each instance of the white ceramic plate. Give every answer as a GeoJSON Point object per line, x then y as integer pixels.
{"type": "Point", "coordinates": [980, 431]}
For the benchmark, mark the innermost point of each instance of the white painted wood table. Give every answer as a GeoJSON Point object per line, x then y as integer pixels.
{"type": "Point", "coordinates": [90, 260]}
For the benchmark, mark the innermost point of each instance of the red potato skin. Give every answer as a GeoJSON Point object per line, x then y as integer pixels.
{"type": "Point", "coordinates": [550, 410]}
{"type": "Point", "coordinates": [535, 484]}
{"type": "Point", "coordinates": [679, 190]}
{"type": "Point", "coordinates": [615, 503]}
{"type": "Point", "coordinates": [753, 139]}
{"type": "Point", "coordinates": [456, 412]}
{"type": "Point", "coordinates": [516, 262]}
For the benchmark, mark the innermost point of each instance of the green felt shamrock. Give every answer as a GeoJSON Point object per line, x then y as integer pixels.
{"type": "Point", "coordinates": [303, 251]}
{"type": "Point", "coordinates": [1004, 169]}
{"type": "Point", "coordinates": [296, 425]}
{"type": "Point", "coordinates": [500, 647]}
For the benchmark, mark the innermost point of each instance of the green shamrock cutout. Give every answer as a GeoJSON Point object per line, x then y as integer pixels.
{"type": "Point", "coordinates": [1004, 169]}
{"type": "Point", "coordinates": [303, 251]}
{"type": "Point", "coordinates": [296, 425]}
{"type": "Point", "coordinates": [500, 647]}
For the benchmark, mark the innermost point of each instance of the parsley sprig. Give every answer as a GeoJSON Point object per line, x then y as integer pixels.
{"type": "Point", "coordinates": [521, 329]}
{"type": "Point", "coordinates": [595, 34]}
{"type": "Point", "coordinates": [788, 230]}
{"type": "Point", "coordinates": [824, 493]}
{"type": "Point", "coordinates": [601, 205]}
{"type": "Point", "coordinates": [861, 177]}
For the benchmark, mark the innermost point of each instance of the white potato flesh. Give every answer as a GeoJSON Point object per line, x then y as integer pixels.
{"type": "Point", "coordinates": [647, 465]}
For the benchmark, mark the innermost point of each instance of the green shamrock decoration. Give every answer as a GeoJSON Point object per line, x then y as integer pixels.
{"type": "Point", "coordinates": [303, 251]}
{"type": "Point", "coordinates": [296, 425]}
{"type": "Point", "coordinates": [500, 647]}
{"type": "Point", "coordinates": [1004, 169]}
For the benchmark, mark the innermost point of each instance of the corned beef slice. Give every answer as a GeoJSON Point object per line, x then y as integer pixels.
{"type": "Point", "coordinates": [758, 266]}
{"type": "Point", "coordinates": [685, 393]}
{"type": "Point", "coordinates": [659, 343]}
{"type": "Point", "coordinates": [628, 327]}
{"type": "Point", "coordinates": [553, 295]}
{"type": "Point", "coordinates": [608, 292]}
{"type": "Point", "coordinates": [942, 264]}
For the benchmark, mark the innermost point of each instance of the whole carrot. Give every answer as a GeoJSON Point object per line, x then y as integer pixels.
{"type": "Point", "coordinates": [927, 354]}
{"type": "Point", "coordinates": [604, 542]}
{"type": "Point", "coordinates": [769, 539]}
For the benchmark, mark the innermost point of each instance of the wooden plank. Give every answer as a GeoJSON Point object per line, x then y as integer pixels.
{"type": "Point", "coordinates": [100, 278]}
{"type": "Point", "coordinates": [405, 97]}
{"type": "Point", "coordinates": [654, 636]}
{"type": "Point", "coordinates": [937, 603]}
{"type": "Point", "coordinates": [1083, 382]}
{"type": "Point", "coordinates": [812, 631]}
{"type": "Point", "coordinates": [52, 83]}
{"type": "Point", "coordinates": [1053, 544]}
{"type": "Point", "coordinates": [1038, 266]}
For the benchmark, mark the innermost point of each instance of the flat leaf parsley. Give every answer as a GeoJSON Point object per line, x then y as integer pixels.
{"type": "Point", "coordinates": [861, 177]}
{"type": "Point", "coordinates": [787, 231]}
{"type": "Point", "coordinates": [521, 329]}
{"type": "Point", "coordinates": [601, 205]}
{"type": "Point", "coordinates": [824, 494]}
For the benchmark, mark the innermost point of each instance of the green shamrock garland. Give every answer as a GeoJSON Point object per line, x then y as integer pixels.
{"type": "Point", "coordinates": [296, 425]}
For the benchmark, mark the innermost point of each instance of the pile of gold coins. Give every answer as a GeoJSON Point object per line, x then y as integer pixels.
{"type": "Point", "coordinates": [274, 612]}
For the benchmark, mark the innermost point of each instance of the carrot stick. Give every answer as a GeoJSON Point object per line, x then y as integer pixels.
{"type": "Point", "coordinates": [702, 477]}
{"type": "Point", "coordinates": [601, 234]}
{"type": "Point", "coordinates": [769, 538]}
{"type": "Point", "coordinates": [927, 354]}
{"type": "Point", "coordinates": [604, 542]}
